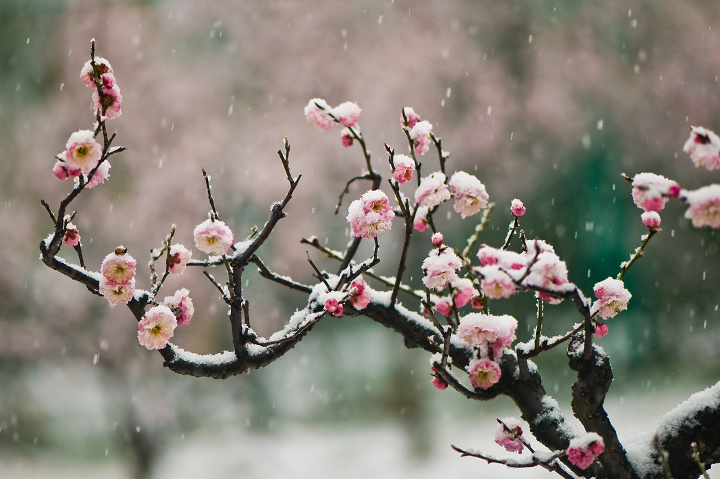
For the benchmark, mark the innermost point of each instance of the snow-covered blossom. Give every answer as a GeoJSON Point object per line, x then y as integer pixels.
{"type": "Point", "coordinates": [411, 117]}
{"type": "Point", "coordinates": [612, 297]}
{"type": "Point", "coordinates": [444, 306]}
{"type": "Point", "coordinates": [178, 258]}
{"type": "Point", "coordinates": [117, 293]}
{"type": "Point", "coordinates": [483, 373]}
{"type": "Point", "coordinates": [548, 271]}
{"type": "Point", "coordinates": [72, 235]}
{"type": "Point", "coordinates": [87, 74]}
{"type": "Point", "coordinates": [359, 293]}
{"type": "Point", "coordinates": [82, 152]}
{"type": "Point", "coordinates": [601, 329]}
{"type": "Point", "coordinates": [703, 206]}
{"type": "Point", "coordinates": [496, 283]}
{"type": "Point", "coordinates": [333, 303]}
{"type": "Point", "coordinates": [650, 192]}
{"type": "Point", "coordinates": [101, 174]}
{"type": "Point", "coordinates": [703, 146]}
{"type": "Point", "coordinates": [318, 115]}
{"type": "Point", "coordinates": [371, 215]}
{"type": "Point", "coordinates": [118, 266]}
{"type": "Point", "coordinates": [157, 327]}
{"type": "Point", "coordinates": [463, 292]}
{"type": "Point", "coordinates": [651, 219]}
{"type": "Point", "coordinates": [477, 329]}
{"type": "Point", "coordinates": [109, 100]}
{"type": "Point", "coordinates": [347, 137]}
{"type": "Point", "coordinates": [439, 268]}
{"type": "Point", "coordinates": [181, 305]}
{"type": "Point", "coordinates": [404, 168]}
{"type": "Point", "coordinates": [437, 240]}
{"type": "Point", "coordinates": [470, 194]}
{"type": "Point", "coordinates": [420, 136]}
{"type": "Point", "coordinates": [432, 190]}
{"type": "Point", "coordinates": [508, 260]}
{"type": "Point", "coordinates": [347, 114]}
{"type": "Point", "coordinates": [213, 237]}
{"type": "Point", "coordinates": [60, 170]}
{"type": "Point", "coordinates": [583, 450]}
{"type": "Point", "coordinates": [517, 208]}
{"type": "Point", "coordinates": [421, 222]}
{"type": "Point", "coordinates": [437, 381]}
{"type": "Point", "coordinates": [509, 434]}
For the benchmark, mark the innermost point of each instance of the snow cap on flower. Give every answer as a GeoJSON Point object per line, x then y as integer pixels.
{"type": "Point", "coordinates": [178, 258]}
{"type": "Point", "coordinates": [157, 327]}
{"type": "Point", "coordinates": [118, 266]}
{"type": "Point", "coordinates": [432, 190]}
{"type": "Point", "coordinates": [651, 219]}
{"type": "Point", "coordinates": [477, 329]}
{"type": "Point", "coordinates": [439, 268]}
{"type": "Point", "coordinates": [371, 215]}
{"type": "Point", "coordinates": [517, 208]}
{"type": "Point", "coordinates": [612, 297]}
{"type": "Point", "coordinates": [583, 450]}
{"type": "Point", "coordinates": [117, 293]}
{"type": "Point", "coordinates": [548, 271]}
{"type": "Point", "coordinates": [72, 235]}
{"type": "Point", "coordinates": [87, 74]}
{"type": "Point", "coordinates": [408, 117]}
{"type": "Point", "coordinates": [347, 114]}
{"type": "Point", "coordinates": [213, 237]}
{"type": "Point", "coordinates": [470, 194]}
{"type": "Point", "coordinates": [437, 240]}
{"type": "Point", "coordinates": [703, 206]}
{"type": "Point", "coordinates": [420, 136]}
{"type": "Point", "coordinates": [496, 283]}
{"type": "Point", "coordinates": [483, 373]}
{"type": "Point", "coordinates": [703, 146]}
{"type": "Point", "coordinates": [318, 115]}
{"type": "Point", "coordinates": [333, 303]}
{"type": "Point", "coordinates": [181, 306]}
{"type": "Point", "coordinates": [509, 434]}
{"type": "Point", "coordinates": [359, 293]}
{"type": "Point", "coordinates": [650, 192]}
{"type": "Point", "coordinates": [82, 152]}
{"type": "Point", "coordinates": [404, 168]}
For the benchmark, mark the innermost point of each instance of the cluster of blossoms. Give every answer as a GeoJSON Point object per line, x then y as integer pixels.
{"type": "Point", "coordinates": [358, 294]}
{"type": "Point", "coordinates": [98, 75]}
{"type": "Point", "coordinates": [322, 115]}
{"type": "Point", "coordinates": [117, 284]}
{"type": "Point", "coordinates": [371, 215]}
{"type": "Point", "coordinates": [489, 335]}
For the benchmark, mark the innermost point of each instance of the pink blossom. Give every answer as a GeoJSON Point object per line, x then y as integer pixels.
{"type": "Point", "coordinates": [488, 255]}
{"type": "Point", "coordinates": [612, 297]}
{"type": "Point", "coordinates": [213, 237]}
{"type": "Point", "coordinates": [439, 268]}
{"type": "Point", "coordinates": [117, 293]}
{"type": "Point", "coordinates": [359, 294]}
{"type": "Point", "coordinates": [118, 266]}
{"type": "Point", "coordinates": [421, 222]}
{"type": "Point", "coordinates": [477, 302]}
{"type": "Point", "coordinates": [72, 235]}
{"type": "Point", "coordinates": [333, 303]}
{"type": "Point", "coordinates": [509, 434]}
{"type": "Point", "coordinates": [483, 373]}
{"type": "Point", "coordinates": [437, 240]}
{"type": "Point", "coordinates": [101, 174]}
{"type": "Point", "coordinates": [82, 152]}
{"type": "Point", "coordinates": [601, 329]}
{"type": "Point", "coordinates": [444, 306]}
{"type": "Point", "coordinates": [703, 146]}
{"type": "Point", "coordinates": [477, 329]}
{"type": "Point", "coordinates": [703, 206]}
{"type": "Point", "coordinates": [371, 215]}
{"type": "Point", "coordinates": [470, 194]}
{"type": "Point", "coordinates": [420, 136]}
{"type": "Point", "coordinates": [181, 306]}
{"type": "Point", "coordinates": [651, 219]}
{"type": "Point", "coordinates": [178, 258]}
{"type": "Point", "coordinates": [157, 327]}
{"type": "Point", "coordinates": [463, 292]}
{"type": "Point", "coordinates": [404, 168]}
{"type": "Point", "coordinates": [109, 100]}
{"type": "Point", "coordinates": [496, 283]}
{"type": "Point", "coordinates": [583, 450]}
{"type": "Point", "coordinates": [409, 118]}
{"type": "Point", "coordinates": [316, 111]}
{"type": "Point", "coordinates": [547, 272]}
{"type": "Point", "coordinates": [517, 208]}
{"type": "Point", "coordinates": [347, 137]}
{"type": "Point", "coordinates": [347, 114]}
{"type": "Point", "coordinates": [60, 170]}
{"type": "Point", "coordinates": [437, 381]}
{"type": "Point", "coordinates": [650, 192]}
{"type": "Point", "coordinates": [505, 326]}
{"type": "Point", "coordinates": [432, 190]}
{"type": "Point", "coordinates": [87, 75]}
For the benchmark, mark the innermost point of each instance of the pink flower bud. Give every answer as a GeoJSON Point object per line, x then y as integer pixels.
{"type": "Point", "coordinates": [437, 240]}
{"type": "Point", "coordinates": [601, 329]}
{"type": "Point", "coordinates": [651, 219]}
{"type": "Point", "coordinates": [72, 235]}
{"type": "Point", "coordinates": [517, 208]}
{"type": "Point", "coordinates": [346, 137]}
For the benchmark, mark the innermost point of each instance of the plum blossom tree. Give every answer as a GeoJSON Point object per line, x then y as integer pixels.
{"type": "Point", "coordinates": [471, 350]}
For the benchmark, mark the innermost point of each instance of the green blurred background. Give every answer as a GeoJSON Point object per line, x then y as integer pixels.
{"type": "Point", "coordinates": [546, 101]}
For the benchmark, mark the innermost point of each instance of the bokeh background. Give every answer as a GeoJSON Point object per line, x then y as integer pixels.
{"type": "Point", "coordinates": [545, 101]}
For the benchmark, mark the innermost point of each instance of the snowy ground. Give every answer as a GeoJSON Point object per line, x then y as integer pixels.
{"type": "Point", "coordinates": [295, 451]}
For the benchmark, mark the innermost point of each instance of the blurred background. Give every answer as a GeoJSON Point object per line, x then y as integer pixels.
{"type": "Point", "coordinates": [546, 101]}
